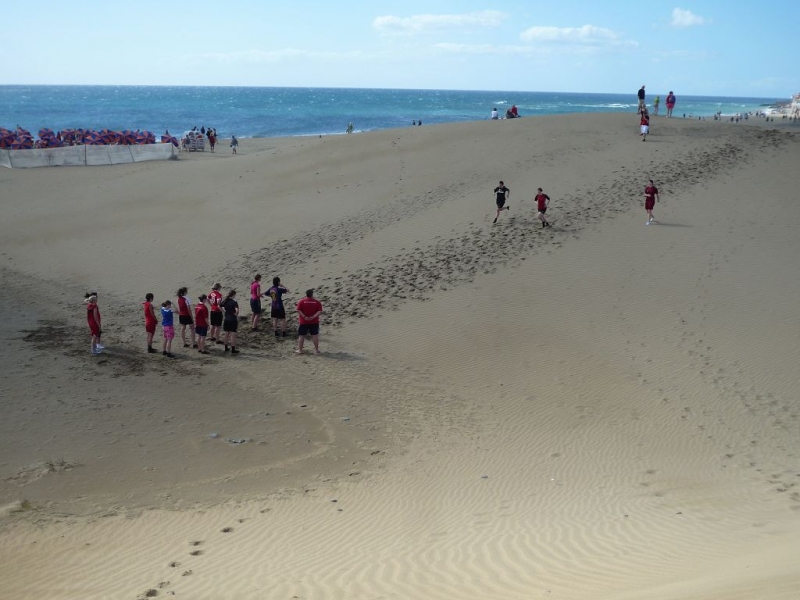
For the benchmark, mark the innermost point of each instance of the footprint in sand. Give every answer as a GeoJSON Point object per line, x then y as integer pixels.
{"type": "Point", "coordinates": [196, 553]}
{"type": "Point", "coordinates": [227, 529]}
{"type": "Point", "coordinates": [174, 564]}
{"type": "Point", "coordinates": [186, 573]}
{"type": "Point", "coordinates": [195, 543]}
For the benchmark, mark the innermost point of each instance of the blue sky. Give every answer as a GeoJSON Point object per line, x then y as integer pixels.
{"type": "Point", "coordinates": [695, 47]}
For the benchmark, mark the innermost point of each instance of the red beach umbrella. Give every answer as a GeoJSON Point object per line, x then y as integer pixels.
{"type": "Point", "coordinates": [168, 139]}
{"type": "Point", "coordinates": [126, 136]}
{"type": "Point", "coordinates": [109, 136]}
{"type": "Point", "coordinates": [46, 133]}
{"type": "Point", "coordinates": [145, 137]}
{"type": "Point", "coordinates": [93, 138]}
{"type": "Point", "coordinates": [22, 143]}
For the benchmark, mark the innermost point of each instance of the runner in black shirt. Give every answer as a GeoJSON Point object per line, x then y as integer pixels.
{"type": "Point", "coordinates": [501, 194]}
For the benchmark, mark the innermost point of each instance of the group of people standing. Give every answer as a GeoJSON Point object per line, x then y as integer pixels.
{"type": "Point", "coordinates": [671, 100]}
{"type": "Point", "coordinates": [214, 318]}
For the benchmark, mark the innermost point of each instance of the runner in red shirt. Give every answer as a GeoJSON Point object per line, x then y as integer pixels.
{"type": "Point", "coordinates": [308, 311]}
{"type": "Point", "coordinates": [542, 202]}
{"type": "Point", "coordinates": [644, 125]}
{"type": "Point", "coordinates": [650, 199]}
{"type": "Point", "coordinates": [215, 301]}
{"type": "Point", "coordinates": [201, 323]}
{"type": "Point", "coordinates": [150, 322]}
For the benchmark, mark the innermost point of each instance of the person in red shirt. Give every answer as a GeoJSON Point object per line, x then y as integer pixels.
{"type": "Point", "coordinates": [185, 317]}
{"type": "Point", "coordinates": [93, 319]}
{"type": "Point", "coordinates": [215, 301]}
{"type": "Point", "coordinates": [201, 323]}
{"type": "Point", "coordinates": [644, 124]}
{"type": "Point", "coordinates": [650, 199]}
{"type": "Point", "coordinates": [308, 311]}
{"type": "Point", "coordinates": [542, 202]}
{"type": "Point", "coordinates": [150, 322]}
{"type": "Point", "coordinates": [255, 302]}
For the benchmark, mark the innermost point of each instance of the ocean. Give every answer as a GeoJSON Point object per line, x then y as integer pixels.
{"type": "Point", "coordinates": [280, 112]}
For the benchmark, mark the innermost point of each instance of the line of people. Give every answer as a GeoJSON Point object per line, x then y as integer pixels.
{"type": "Point", "coordinates": [214, 318]}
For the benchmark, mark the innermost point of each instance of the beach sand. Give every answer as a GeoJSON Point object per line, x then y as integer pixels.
{"type": "Point", "coordinates": [598, 410]}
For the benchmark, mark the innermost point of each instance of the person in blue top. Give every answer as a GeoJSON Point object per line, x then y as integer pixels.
{"type": "Point", "coordinates": [278, 312]}
{"type": "Point", "coordinates": [167, 313]}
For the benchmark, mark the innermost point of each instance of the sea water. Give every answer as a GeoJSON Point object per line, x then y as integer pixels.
{"type": "Point", "coordinates": [277, 112]}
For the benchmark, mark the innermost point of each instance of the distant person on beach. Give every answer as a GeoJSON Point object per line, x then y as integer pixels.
{"type": "Point", "coordinates": [656, 102]}
{"type": "Point", "coordinates": [150, 321]}
{"type": "Point", "coordinates": [201, 323]}
{"type": "Point", "coordinates": [203, 130]}
{"type": "Point", "coordinates": [640, 94]}
{"type": "Point", "coordinates": [215, 302]}
{"type": "Point", "coordinates": [514, 111]}
{"type": "Point", "coordinates": [350, 128]}
{"type": "Point", "coordinates": [167, 314]}
{"type": "Point", "coordinates": [234, 143]}
{"type": "Point", "coordinates": [650, 199]}
{"type": "Point", "coordinates": [414, 123]}
{"type": "Point", "coordinates": [542, 202]}
{"type": "Point", "coordinates": [185, 317]}
{"type": "Point", "coordinates": [670, 103]}
{"type": "Point", "coordinates": [644, 125]}
{"type": "Point", "coordinates": [212, 139]}
{"type": "Point", "coordinates": [231, 321]}
{"type": "Point", "coordinates": [278, 311]}
{"type": "Point", "coordinates": [495, 115]}
{"type": "Point", "coordinates": [93, 319]}
{"type": "Point", "coordinates": [309, 310]}
{"type": "Point", "coordinates": [501, 194]}
{"type": "Point", "coordinates": [255, 301]}
{"type": "Point", "coordinates": [419, 123]}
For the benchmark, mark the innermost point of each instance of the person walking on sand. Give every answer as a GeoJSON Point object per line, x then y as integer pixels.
{"type": "Point", "coordinates": [201, 323]}
{"type": "Point", "coordinates": [212, 139]}
{"type": "Point", "coordinates": [650, 199]}
{"type": "Point", "coordinates": [255, 302]}
{"type": "Point", "coordinates": [644, 125]}
{"type": "Point", "coordinates": [150, 322]}
{"type": "Point", "coordinates": [234, 144]}
{"type": "Point", "coordinates": [501, 194]}
{"type": "Point", "coordinates": [231, 321]}
{"type": "Point", "coordinates": [308, 311]}
{"type": "Point", "coordinates": [93, 319]}
{"type": "Point", "coordinates": [542, 202]}
{"type": "Point", "coordinates": [167, 314]}
{"type": "Point", "coordinates": [670, 103]}
{"type": "Point", "coordinates": [640, 94]}
{"type": "Point", "coordinates": [185, 317]}
{"type": "Point", "coordinates": [277, 309]}
{"type": "Point", "coordinates": [215, 301]}
{"type": "Point", "coordinates": [656, 102]}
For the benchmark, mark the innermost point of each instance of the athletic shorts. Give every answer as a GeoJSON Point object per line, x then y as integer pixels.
{"type": "Point", "coordinates": [278, 313]}
{"type": "Point", "coordinates": [185, 319]}
{"type": "Point", "coordinates": [501, 203]}
{"type": "Point", "coordinates": [649, 203]}
{"type": "Point", "coordinates": [94, 329]}
{"type": "Point", "coordinates": [150, 327]}
{"type": "Point", "coordinates": [216, 318]}
{"type": "Point", "coordinates": [230, 325]}
{"type": "Point", "coordinates": [308, 329]}
{"type": "Point", "coordinates": [542, 210]}
{"type": "Point", "coordinates": [169, 332]}
{"type": "Point", "coordinates": [255, 306]}
{"type": "Point", "coordinates": [645, 129]}
{"type": "Point", "coordinates": [201, 331]}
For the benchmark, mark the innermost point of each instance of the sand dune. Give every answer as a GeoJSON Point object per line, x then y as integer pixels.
{"type": "Point", "coordinates": [602, 409]}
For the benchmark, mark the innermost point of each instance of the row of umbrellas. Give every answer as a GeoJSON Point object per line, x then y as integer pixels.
{"type": "Point", "coordinates": [22, 139]}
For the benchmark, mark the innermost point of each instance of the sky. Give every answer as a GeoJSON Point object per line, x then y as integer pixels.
{"type": "Point", "coordinates": [694, 47]}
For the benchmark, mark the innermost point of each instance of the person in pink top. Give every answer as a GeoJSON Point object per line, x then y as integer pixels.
{"type": "Point", "coordinates": [309, 310]}
{"type": "Point", "coordinates": [255, 301]}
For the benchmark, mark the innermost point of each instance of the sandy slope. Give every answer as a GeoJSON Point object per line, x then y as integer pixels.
{"type": "Point", "coordinates": [603, 409]}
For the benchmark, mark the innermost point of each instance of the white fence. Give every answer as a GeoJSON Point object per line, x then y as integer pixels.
{"type": "Point", "coordinates": [84, 155]}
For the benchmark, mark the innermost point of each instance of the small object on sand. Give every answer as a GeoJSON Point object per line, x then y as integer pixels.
{"type": "Point", "coordinates": [213, 435]}
{"type": "Point", "coordinates": [238, 440]}
{"type": "Point", "coordinates": [345, 418]}
{"type": "Point", "coordinates": [334, 500]}
{"type": "Point", "coordinates": [484, 477]}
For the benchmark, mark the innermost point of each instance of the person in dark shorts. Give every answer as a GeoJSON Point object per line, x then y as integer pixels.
{"type": "Point", "coordinates": [542, 202]}
{"type": "Point", "coordinates": [231, 321]}
{"type": "Point", "coordinates": [185, 317]}
{"type": "Point", "coordinates": [278, 311]}
{"type": "Point", "coordinates": [150, 321]}
{"type": "Point", "coordinates": [215, 301]}
{"type": "Point", "coordinates": [255, 301]}
{"type": "Point", "coordinates": [308, 311]}
{"type": "Point", "coordinates": [502, 193]}
{"type": "Point", "coordinates": [201, 323]}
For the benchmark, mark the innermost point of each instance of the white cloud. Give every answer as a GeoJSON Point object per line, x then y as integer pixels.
{"type": "Point", "coordinates": [422, 23]}
{"type": "Point", "coordinates": [588, 34]}
{"type": "Point", "coordinates": [685, 18]}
